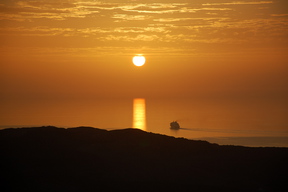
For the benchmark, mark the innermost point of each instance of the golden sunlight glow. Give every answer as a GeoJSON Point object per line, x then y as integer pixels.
{"type": "Point", "coordinates": [139, 60]}
{"type": "Point", "coordinates": [139, 114]}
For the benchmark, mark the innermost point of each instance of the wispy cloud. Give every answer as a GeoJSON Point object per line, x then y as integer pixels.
{"type": "Point", "coordinates": [130, 17]}
{"type": "Point", "coordinates": [240, 3]}
{"type": "Point", "coordinates": [29, 10]}
{"type": "Point", "coordinates": [187, 23]}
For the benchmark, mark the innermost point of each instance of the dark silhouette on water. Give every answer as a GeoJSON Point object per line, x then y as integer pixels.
{"type": "Point", "coordinates": [89, 159]}
{"type": "Point", "coordinates": [174, 125]}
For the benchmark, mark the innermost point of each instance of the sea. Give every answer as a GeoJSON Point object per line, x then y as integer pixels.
{"type": "Point", "coordinates": [237, 121]}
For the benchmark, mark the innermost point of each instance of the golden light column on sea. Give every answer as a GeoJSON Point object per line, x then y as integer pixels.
{"type": "Point", "coordinates": [139, 113]}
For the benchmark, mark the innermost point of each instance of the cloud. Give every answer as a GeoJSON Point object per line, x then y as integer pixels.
{"type": "Point", "coordinates": [130, 17]}
{"type": "Point", "coordinates": [115, 21]}
{"type": "Point", "coordinates": [172, 19]}
{"type": "Point", "coordinates": [29, 10]}
{"type": "Point", "coordinates": [129, 38]}
{"type": "Point", "coordinates": [279, 15]}
{"type": "Point", "coordinates": [240, 3]}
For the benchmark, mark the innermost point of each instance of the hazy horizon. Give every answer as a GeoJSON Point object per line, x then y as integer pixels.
{"type": "Point", "coordinates": [224, 122]}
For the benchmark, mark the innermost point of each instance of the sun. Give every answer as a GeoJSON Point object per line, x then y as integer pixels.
{"type": "Point", "coordinates": [139, 60]}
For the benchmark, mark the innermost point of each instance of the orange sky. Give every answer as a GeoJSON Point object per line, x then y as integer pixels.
{"type": "Point", "coordinates": [83, 49]}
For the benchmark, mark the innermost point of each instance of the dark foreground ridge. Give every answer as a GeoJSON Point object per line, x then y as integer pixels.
{"type": "Point", "coordinates": [90, 159]}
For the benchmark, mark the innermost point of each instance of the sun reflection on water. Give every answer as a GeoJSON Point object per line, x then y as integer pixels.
{"type": "Point", "coordinates": [139, 114]}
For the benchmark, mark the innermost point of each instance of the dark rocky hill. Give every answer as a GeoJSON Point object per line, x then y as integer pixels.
{"type": "Point", "coordinates": [90, 159]}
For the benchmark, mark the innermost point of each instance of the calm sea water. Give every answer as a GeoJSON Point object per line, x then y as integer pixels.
{"type": "Point", "coordinates": [251, 122]}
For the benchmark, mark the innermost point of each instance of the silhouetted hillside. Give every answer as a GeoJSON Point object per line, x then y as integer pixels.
{"type": "Point", "coordinates": [90, 159]}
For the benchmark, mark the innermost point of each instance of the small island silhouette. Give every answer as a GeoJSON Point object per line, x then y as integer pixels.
{"type": "Point", "coordinates": [91, 159]}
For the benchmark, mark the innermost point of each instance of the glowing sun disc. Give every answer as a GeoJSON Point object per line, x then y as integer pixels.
{"type": "Point", "coordinates": [139, 60]}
